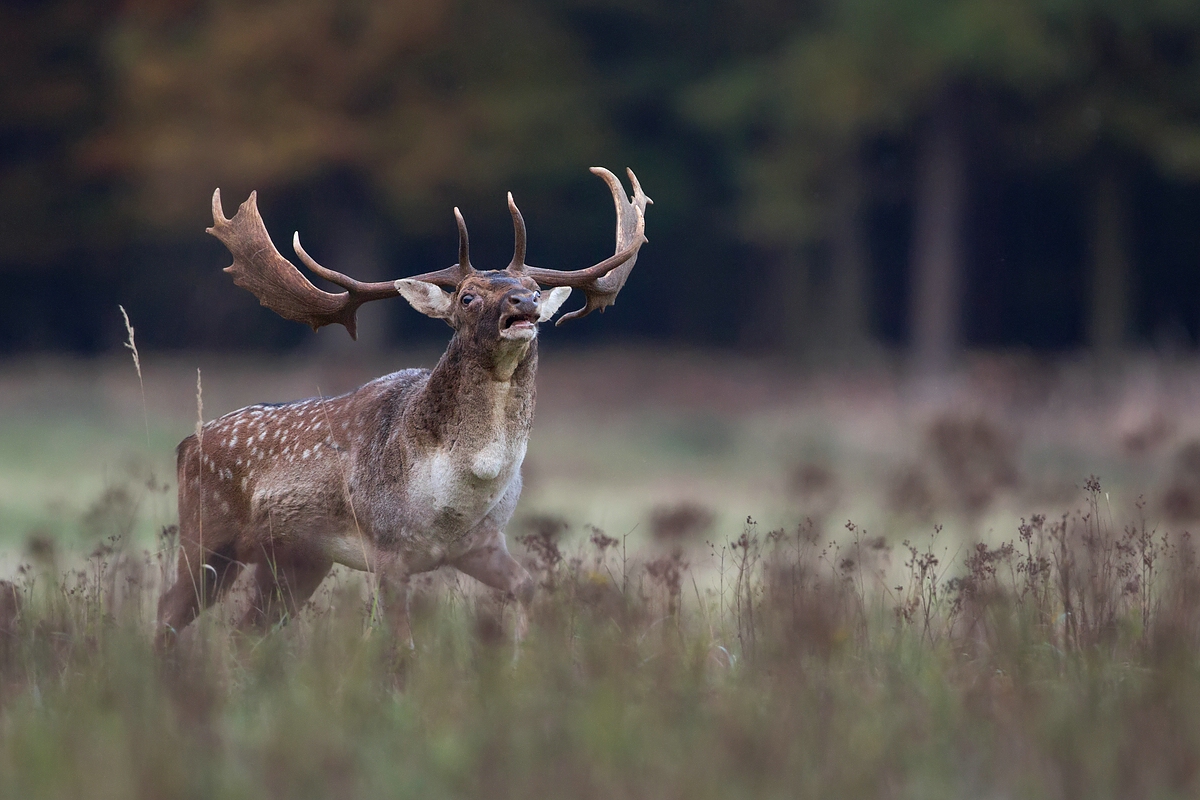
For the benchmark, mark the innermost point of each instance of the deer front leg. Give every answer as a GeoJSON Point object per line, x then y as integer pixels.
{"type": "Point", "coordinates": [396, 593]}
{"type": "Point", "coordinates": [492, 565]}
{"type": "Point", "coordinates": [393, 601]}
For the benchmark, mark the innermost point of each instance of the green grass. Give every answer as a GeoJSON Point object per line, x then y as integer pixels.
{"type": "Point", "coordinates": [53, 470]}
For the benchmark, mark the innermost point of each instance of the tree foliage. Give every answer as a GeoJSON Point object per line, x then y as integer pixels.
{"type": "Point", "coordinates": [431, 101]}
{"type": "Point", "coordinates": [757, 126]}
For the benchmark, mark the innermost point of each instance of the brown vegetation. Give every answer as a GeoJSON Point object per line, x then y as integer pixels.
{"type": "Point", "coordinates": [1054, 664]}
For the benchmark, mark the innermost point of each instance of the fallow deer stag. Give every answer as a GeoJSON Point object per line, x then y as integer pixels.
{"type": "Point", "coordinates": [414, 470]}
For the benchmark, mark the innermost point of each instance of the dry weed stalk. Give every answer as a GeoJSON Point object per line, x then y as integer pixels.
{"type": "Point", "coordinates": [137, 365]}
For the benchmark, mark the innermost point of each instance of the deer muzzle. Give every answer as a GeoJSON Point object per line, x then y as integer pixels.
{"type": "Point", "coordinates": [519, 315]}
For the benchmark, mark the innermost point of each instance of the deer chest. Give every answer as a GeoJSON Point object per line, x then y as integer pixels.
{"type": "Point", "coordinates": [450, 490]}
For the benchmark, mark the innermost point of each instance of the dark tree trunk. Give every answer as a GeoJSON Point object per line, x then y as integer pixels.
{"type": "Point", "coordinates": [848, 310]}
{"type": "Point", "coordinates": [935, 310]}
{"type": "Point", "coordinates": [794, 301]}
{"type": "Point", "coordinates": [1109, 296]}
{"type": "Point", "coordinates": [354, 249]}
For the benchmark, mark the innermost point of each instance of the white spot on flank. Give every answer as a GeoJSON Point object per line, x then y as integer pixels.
{"type": "Point", "coordinates": [306, 453]}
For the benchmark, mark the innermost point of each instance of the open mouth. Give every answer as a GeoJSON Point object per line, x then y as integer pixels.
{"type": "Point", "coordinates": [518, 326]}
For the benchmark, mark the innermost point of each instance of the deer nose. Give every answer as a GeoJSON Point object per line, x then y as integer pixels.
{"type": "Point", "coordinates": [523, 301]}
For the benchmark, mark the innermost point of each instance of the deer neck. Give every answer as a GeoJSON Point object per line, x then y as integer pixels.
{"type": "Point", "coordinates": [478, 404]}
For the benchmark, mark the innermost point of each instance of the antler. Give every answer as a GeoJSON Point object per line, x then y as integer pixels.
{"type": "Point", "coordinates": [258, 267]}
{"type": "Point", "coordinates": [600, 282]}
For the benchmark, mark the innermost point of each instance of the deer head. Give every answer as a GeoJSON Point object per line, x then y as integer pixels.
{"type": "Point", "coordinates": [499, 306]}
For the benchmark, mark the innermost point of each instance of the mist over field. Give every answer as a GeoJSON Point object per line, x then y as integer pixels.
{"type": "Point", "coordinates": [622, 433]}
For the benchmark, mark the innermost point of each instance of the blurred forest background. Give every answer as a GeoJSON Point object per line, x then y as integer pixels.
{"type": "Point", "coordinates": [834, 178]}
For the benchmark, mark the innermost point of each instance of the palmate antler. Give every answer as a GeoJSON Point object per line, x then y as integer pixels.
{"type": "Point", "coordinates": [600, 282]}
{"type": "Point", "coordinates": [258, 266]}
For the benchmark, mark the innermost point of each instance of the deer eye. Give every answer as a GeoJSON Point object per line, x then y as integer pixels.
{"type": "Point", "coordinates": [466, 299]}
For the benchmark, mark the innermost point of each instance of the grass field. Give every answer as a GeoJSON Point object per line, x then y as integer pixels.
{"type": "Point", "coordinates": [755, 582]}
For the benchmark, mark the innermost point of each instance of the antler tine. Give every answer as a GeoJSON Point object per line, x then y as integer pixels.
{"type": "Point", "coordinates": [356, 288]}
{"type": "Point", "coordinates": [518, 259]}
{"type": "Point", "coordinates": [452, 276]}
{"type": "Point", "coordinates": [218, 212]}
{"type": "Point", "coordinates": [464, 244]}
{"type": "Point", "coordinates": [258, 267]}
{"type": "Point", "coordinates": [601, 282]}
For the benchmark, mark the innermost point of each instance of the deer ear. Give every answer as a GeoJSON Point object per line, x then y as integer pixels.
{"type": "Point", "coordinates": [425, 297]}
{"type": "Point", "coordinates": [551, 302]}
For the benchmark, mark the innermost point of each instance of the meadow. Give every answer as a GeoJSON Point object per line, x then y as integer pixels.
{"type": "Point", "coordinates": [754, 580]}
